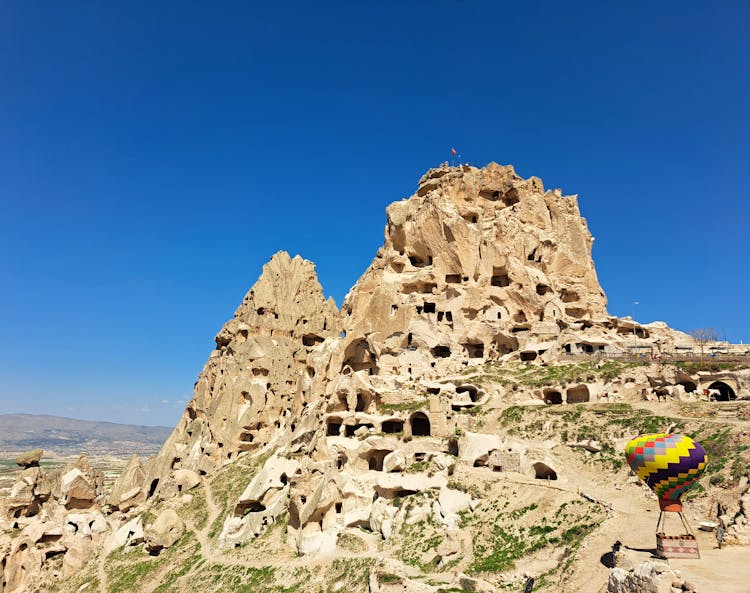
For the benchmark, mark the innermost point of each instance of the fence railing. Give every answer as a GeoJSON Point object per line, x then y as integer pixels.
{"type": "Point", "coordinates": [670, 357]}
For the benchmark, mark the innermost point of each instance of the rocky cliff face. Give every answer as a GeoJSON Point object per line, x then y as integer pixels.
{"type": "Point", "coordinates": [479, 263]}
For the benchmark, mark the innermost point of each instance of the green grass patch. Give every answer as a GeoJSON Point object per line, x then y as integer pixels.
{"type": "Point", "coordinates": [404, 406]}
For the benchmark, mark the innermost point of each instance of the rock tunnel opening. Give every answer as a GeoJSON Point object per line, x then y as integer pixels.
{"type": "Point", "coordinates": [419, 261]}
{"type": "Point", "coordinates": [726, 393]}
{"type": "Point", "coordinates": [441, 351]}
{"type": "Point", "coordinates": [500, 277]}
{"type": "Point", "coordinates": [578, 394]}
{"type": "Point", "coordinates": [542, 289]}
{"type": "Point", "coordinates": [250, 506]}
{"type": "Point", "coordinates": [474, 349]}
{"type": "Point", "coordinates": [542, 471]}
{"type": "Point", "coordinates": [420, 425]}
{"type": "Point", "coordinates": [359, 357]}
{"type": "Point", "coordinates": [333, 427]}
{"type": "Point", "coordinates": [393, 426]}
{"type": "Point", "coordinates": [552, 396]}
{"type": "Point", "coordinates": [363, 402]}
{"type": "Point", "coordinates": [375, 460]}
{"type": "Point", "coordinates": [311, 340]}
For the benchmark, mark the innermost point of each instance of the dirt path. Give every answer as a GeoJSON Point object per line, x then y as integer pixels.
{"type": "Point", "coordinates": [213, 515]}
{"type": "Point", "coordinates": [102, 573]}
{"type": "Point", "coordinates": [671, 410]}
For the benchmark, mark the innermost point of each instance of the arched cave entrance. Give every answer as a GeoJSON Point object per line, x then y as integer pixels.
{"type": "Point", "coordinates": [420, 425]}
{"type": "Point", "coordinates": [577, 395]}
{"type": "Point", "coordinates": [358, 357]}
{"type": "Point", "coordinates": [552, 396]}
{"type": "Point", "coordinates": [542, 471]}
{"type": "Point", "coordinates": [726, 393]}
{"type": "Point", "coordinates": [375, 460]}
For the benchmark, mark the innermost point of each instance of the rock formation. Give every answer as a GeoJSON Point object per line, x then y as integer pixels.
{"type": "Point", "coordinates": [478, 266]}
{"type": "Point", "coordinates": [345, 413]}
{"type": "Point", "coordinates": [50, 515]}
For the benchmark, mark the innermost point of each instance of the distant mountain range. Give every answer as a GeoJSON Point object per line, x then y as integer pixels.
{"type": "Point", "coordinates": [19, 432]}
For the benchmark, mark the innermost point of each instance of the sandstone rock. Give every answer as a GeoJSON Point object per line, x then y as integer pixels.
{"type": "Point", "coordinates": [92, 523]}
{"type": "Point", "coordinates": [30, 458]}
{"type": "Point", "coordinates": [31, 489]}
{"type": "Point", "coordinates": [127, 491]}
{"type": "Point", "coordinates": [647, 577]}
{"type": "Point", "coordinates": [361, 413]}
{"type": "Point", "coordinates": [395, 461]}
{"type": "Point", "coordinates": [164, 531]}
{"type": "Point", "coordinates": [283, 324]}
{"type": "Point", "coordinates": [366, 405]}
{"type": "Point", "coordinates": [452, 502]}
{"type": "Point", "coordinates": [315, 541]}
{"type": "Point", "coordinates": [131, 533]}
{"type": "Point", "coordinates": [186, 479]}
{"type": "Point", "coordinates": [77, 491]}
{"type": "Point", "coordinates": [77, 556]}
{"type": "Point", "coordinates": [474, 584]}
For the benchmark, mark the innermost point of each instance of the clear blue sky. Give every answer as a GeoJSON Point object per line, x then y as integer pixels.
{"type": "Point", "coordinates": [153, 155]}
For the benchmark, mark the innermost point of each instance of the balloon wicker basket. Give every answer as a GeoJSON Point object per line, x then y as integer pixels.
{"type": "Point", "coordinates": [675, 546]}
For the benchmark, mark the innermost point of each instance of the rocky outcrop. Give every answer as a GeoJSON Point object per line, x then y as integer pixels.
{"type": "Point", "coordinates": [647, 577]}
{"type": "Point", "coordinates": [30, 458]}
{"type": "Point", "coordinates": [127, 491]}
{"type": "Point", "coordinates": [479, 265]}
{"type": "Point", "coordinates": [164, 531]}
{"type": "Point", "coordinates": [346, 414]}
{"type": "Point", "coordinates": [52, 515]}
{"type": "Point", "coordinates": [261, 377]}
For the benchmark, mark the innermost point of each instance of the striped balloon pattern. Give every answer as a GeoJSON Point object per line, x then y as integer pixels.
{"type": "Point", "coordinates": [668, 463]}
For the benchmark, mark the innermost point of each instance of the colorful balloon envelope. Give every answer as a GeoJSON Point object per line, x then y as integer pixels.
{"type": "Point", "coordinates": [669, 464]}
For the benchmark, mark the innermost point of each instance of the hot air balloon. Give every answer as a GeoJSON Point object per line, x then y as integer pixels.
{"type": "Point", "coordinates": [669, 464]}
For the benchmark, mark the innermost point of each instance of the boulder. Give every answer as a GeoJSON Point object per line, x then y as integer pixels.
{"type": "Point", "coordinates": [30, 458]}
{"type": "Point", "coordinates": [395, 461]}
{"type": "Point", "coordinates": [77, 491]}
{"type": "Point", "coordinates": [647, 577]}
{"type": "Point", "coordinates": [164, 531]}
{"type": "Point", "coordinates": [186, 479]}
{"type": "Point", "coordinates": [131, 533]}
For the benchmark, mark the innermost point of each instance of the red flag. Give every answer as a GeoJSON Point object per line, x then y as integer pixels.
{"type": "Point", "coordinates": [453, 151]}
